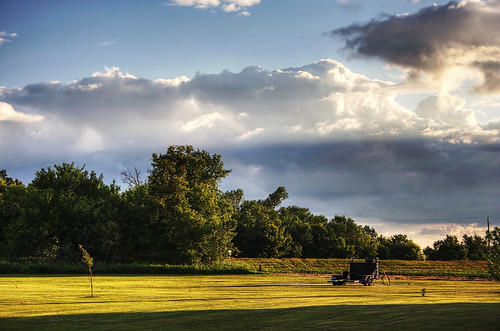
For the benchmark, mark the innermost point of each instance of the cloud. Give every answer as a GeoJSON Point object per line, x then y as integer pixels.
{"type": "Point", "coordinates": [322, 101]}
{"type": "Point", "coordinates": [228, 6]}
{"type": "Point", "coordinates": [438, 40]}
{"type": "Point", "coordinates": [337, 140]}
{"type": "Point", "coordinates": [349, 3]}
{"type": "Point", "coordinates": [8, 113]}
{"type": "Point", "coordinates": [249, 134]}
{"type": "Point", "coordinates": [6, 37]}
{"type": "Point", "coordinates": [446, 110]}
{"type": "Point", "coordinates": [206, 120]}
{"type": "Point", "coordinates": [108, 43]}
{"type": "Point", "coordinates": [90, 141]}
{"type": "Point", "coordinates": [394, 180]}
{"type": "Point", "coordinates": [425, 234]}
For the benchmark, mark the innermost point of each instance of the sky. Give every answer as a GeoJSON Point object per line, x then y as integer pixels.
{"type": "Point", "coordinates": [384, 111]}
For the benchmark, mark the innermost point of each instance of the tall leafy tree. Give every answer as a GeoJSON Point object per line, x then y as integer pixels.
{"type": "Point", "coordinates": [64, 206]}
{"type": "Point", "coordinates": [446, 249]}
{"type": "Point", "coordinates": [476, 247]}
{"type": "Point", "coordinates": [139, 232]}
{"type": "Point", "coordinates": [11, 193]}
{"type": "Point", "coordinates": [12, 200]}
{"type": "Point", "coordinates": [313, 235]}
{"type": "Point", "coordinates": [194, 219]}
{"type": "Point", "coordinates": [398, 247]}
{"type": "Point", "coordinates": [356, 240]}
{"type": "Point", "coordinates": [297, 223]}
{"type": "Point", "coordinates": [494, 252]}
{"type": "Point", "coordinates": [260, 231]}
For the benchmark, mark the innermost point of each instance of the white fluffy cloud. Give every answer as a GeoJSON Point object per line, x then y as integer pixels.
{"type": "Point", "coordinates": [320, 102]}
{"type": "Point", "coordinates": [8, 113]}
{"type": "Point", "coordinates": [237, 6]}
{"type": "Point", "coordinates": [338, 141]}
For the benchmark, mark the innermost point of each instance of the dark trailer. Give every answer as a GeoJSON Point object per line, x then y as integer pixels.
{"type": "Point", "coordinates": [364, 272]}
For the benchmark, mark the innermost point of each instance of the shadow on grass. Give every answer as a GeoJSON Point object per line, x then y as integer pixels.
{"type": "Point", "coordinates": [470, 316]}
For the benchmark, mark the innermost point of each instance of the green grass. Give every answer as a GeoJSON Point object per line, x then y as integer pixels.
{"type": "Point", "coordinates": [37, 267]}
{"type": "Point", "coordinates": [245, 266]}
{"type": "Point", "coordinates": [463, 268]}
{"type": "Point", "coordinates": [263, 301]}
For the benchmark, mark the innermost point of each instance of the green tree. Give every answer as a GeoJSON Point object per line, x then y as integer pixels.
{"type": "Point", "coordinates": [384, 248]}
{"type": "Point", "coordinates": [276, 198]}
{"type": "Point", "coordinates": [296, 221]}
{"type": "Point", "coordinates": [476, 247]}
{"type": "Point", "coordinates": [446, 249]}
{"type": "Point", "coordinates": [260, 231]}
{"type": "Point", "coordinates": [139, 230]}
{"type": "Point", "coordinates": [12, 192]}
{"type": "Point", "coordinates": [8, 181]}
{"type": "Point", "coordinates": [30, 232]}
{"type": "Point", "coordinates": [192, 216]}
{"type": "Point", "coordinates": [62, 207]}
{"type": "Point", "coordinates": [235, 198]}
{"type": "Point", "coordinates": [313, 236]}
{"type": "Point", "coordinates": [494, 253]}
{"type": "Point", "coordinates": [399, 247]}
{"type": "Point", "coordinates": [355, 240]}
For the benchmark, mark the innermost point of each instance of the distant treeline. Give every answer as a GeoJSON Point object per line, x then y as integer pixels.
{"type": "Point", "coordinates": [178, 215]}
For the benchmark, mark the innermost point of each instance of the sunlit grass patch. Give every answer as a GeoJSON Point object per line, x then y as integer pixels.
{"type": "Point", "coordinates": [235, 300]}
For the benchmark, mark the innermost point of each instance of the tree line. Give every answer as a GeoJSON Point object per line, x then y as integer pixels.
{"type": "Point", "coordinates": [179, 215]}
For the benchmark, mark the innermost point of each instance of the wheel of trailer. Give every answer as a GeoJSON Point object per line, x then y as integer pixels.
{"type": "Point", "coordinates": [367, 280]}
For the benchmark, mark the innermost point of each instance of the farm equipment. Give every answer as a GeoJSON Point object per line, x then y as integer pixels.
{"type": "Point", "coordinates": [363, 272]}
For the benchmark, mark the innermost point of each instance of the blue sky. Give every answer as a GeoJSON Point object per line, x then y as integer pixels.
{"type": "Point", "coordinates": [67, 40]}
{"type": "Point", "coordinates": [385, 111]}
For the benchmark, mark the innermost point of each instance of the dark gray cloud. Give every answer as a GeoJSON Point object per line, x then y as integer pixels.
{"type": "Point", "coordinates": [408, 182]}
{"type": "Point", "coordinates": [462, 34]}
{"type": "Point", "coordinates": [491, 70]}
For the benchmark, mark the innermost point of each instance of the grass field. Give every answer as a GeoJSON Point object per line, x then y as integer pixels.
{"type": "Point", "coordinates": [461, 268]}
{"type": "Point", "coordinates": [243, 302]}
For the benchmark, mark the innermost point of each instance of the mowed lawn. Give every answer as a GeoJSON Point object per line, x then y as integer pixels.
{"type": "Point", "coordinates": [243, 302]}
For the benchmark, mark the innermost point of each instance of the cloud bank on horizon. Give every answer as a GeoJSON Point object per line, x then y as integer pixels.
{"type": "Point", "coordinates": [340, 142]}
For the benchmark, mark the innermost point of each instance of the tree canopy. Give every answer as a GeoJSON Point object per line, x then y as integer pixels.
{"type": "Point", "coordinates": [179, 215]}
